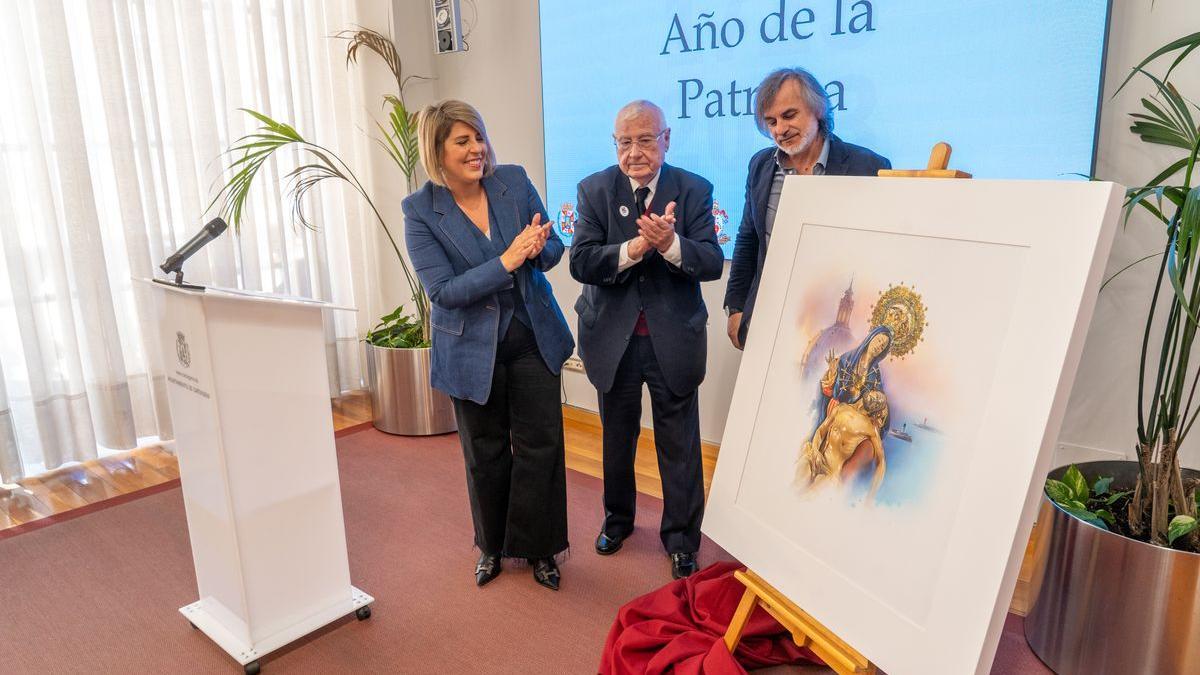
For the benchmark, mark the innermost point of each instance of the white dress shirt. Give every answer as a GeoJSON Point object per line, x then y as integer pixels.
{"type": "Point", "coordinates": [674, 253]}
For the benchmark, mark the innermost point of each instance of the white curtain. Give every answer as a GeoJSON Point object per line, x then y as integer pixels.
{"type": "Point", "coordinates": [113, 115]}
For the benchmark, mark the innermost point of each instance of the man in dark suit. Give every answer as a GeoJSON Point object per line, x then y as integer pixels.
{"type": "Point", "coordinates": [643, 243]}
{"type": "Point", "coordinates": [790, 107]}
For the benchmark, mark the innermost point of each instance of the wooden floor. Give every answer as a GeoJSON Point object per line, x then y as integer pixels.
{"type": "Point", "coordinates": [79, 485]}
{"type": "Point", "coordinates": [351, 410]}
{"type": "Point", "coordinates": [582, 431]}
{"type": "Point", "coordinates": [82, 484]}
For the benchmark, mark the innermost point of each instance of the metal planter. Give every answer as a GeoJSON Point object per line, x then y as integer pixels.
{"type": "Point", "coordinates": [1103, 604]}
{"type": "Point", "coordinates": [402, 401]}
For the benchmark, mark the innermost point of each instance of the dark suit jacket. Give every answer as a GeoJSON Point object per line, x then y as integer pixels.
{"type": "Point", "coordinates": [462, 279]}
{"type": "Point", "coordinates": [670, 296]}
{"type": "Point", "coordinates": [750, 248]}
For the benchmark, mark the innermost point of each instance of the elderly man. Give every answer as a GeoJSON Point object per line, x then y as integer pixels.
{"type": "Point", "coordinates": [644, 241]}
{"type": "Point", "coordinates": [790, 107]}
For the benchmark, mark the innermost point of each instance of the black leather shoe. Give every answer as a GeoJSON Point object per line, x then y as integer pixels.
{"type": "Point", "coordinates": [682, 565]}
{"type": "Point", "coordinates": [487, 568]}
{"type": "Point", "coordinates": [545, 572]}
{"type": "Point", "coordinates": [606, 545]}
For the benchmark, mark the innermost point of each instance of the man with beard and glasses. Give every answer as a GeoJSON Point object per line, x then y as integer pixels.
{"type": "Point", "coordinates": [790, 107]}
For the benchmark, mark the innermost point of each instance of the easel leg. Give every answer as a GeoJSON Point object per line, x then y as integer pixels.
{"type": "Point", "coordinates": [806, 632]}
{"type": "Point", "coordinates": [733, 634]}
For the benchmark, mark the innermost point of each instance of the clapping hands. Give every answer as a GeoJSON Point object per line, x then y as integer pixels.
{"type": "Point", "coordinates": [654, 231]}
{"type": "Point", "coordinates": [658, 231]}
{"type": "Point", "coordinates": [527, 245]}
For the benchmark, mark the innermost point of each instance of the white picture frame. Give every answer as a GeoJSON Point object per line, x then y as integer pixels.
{"type": "Point", "coordinates": [1034, 253]}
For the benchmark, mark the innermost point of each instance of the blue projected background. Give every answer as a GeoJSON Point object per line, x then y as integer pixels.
{"type": "Point", "coordinates": [1013, 85]}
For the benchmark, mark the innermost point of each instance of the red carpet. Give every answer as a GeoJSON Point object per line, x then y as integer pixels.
{"type": "Point", "coordinates": [100, 593]}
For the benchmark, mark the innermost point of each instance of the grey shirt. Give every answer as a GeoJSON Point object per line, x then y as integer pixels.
{"type": "Point", "coordinates": [777, 184]}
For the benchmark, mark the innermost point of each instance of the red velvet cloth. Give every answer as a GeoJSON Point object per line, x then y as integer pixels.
{"type": "Point", "coordinates": [679, 628]}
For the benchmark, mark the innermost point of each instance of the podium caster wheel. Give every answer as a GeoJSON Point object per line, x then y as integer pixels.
{"type": "Point", "coordinates": [363, 613]}
{"type": "Point", "coordinates": [253, 668]}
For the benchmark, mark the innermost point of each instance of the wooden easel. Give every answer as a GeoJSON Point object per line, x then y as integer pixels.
{"type": "Point", "coordinates": [805, 630]}
{"type": "Point", "coordinates": [939, 159]}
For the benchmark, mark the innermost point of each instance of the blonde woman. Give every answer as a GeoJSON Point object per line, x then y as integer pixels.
{"type": "Point", "coordinates": [480, 241]}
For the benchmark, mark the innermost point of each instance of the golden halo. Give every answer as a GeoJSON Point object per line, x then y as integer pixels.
{"type": "Point", "coordinates": [901, 309]}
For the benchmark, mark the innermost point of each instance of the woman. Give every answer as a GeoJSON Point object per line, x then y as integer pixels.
{"type": "Point", "coordinates": [480, 240]}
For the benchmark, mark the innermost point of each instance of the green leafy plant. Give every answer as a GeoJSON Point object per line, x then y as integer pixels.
{"type": "Point", "coordinates": [318, 164]}
{"type": "Point", "coordinates": [1090, 503]}
{"type": "Point", "coordinates": [397, 331]}
{"type": "Point", "coordinates": [1162, 504]}
{"type": "Point", "coordinates": [1179, 526]}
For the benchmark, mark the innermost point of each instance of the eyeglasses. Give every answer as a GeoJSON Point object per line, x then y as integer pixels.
{"type": "Point", "coordinates": [643, 142]}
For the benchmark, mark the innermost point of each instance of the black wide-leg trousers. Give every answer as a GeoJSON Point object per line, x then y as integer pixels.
{"type": "Point", "coordinates": [513, 446]}
{"type": "Point", "coordinates": [676, 440]}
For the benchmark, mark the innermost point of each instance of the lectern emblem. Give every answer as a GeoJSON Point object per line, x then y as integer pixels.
{"type": "Point", "coordinates": [181, 350]}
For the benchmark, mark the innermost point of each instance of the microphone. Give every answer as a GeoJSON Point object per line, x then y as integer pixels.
{"type": "Point", "coordinates": [174, 263]}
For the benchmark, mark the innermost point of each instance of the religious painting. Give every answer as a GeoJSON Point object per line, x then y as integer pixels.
{"type": "Point", "coordinates": [857, 425]}
{"type": "Point", "coordinates": [908, 360]}
{"type": "Point", "coordinates": [876, 364]}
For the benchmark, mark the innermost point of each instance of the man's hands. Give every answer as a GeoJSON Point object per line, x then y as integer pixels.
{"type": "Point", "coordinates": [654, 232]}
{"type": "Point", "coordinates": [526, 245]}
{"type": "Point", "coordinates": [733, 328]}
{"type": "Point", "coordinates": [638, 246]}
{"type": "Point", "coordinates": [658, 231]}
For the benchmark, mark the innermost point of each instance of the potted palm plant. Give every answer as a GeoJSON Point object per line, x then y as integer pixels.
{"type": "Point", "coordinates": [1116, 578]}
{"type": "Point", "coordinates": [398, 355]}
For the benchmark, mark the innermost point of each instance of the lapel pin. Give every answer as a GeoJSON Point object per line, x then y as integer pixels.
{"type": "Point", "coordinates": [624, 211]}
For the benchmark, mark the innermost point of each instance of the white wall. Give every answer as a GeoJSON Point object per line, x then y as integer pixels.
{"type": "Point", "coordinates": [1101, 420]}
{"type": "Point", "coordinates": [501, 76]}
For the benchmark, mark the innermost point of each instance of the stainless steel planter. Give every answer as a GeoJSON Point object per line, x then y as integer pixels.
{"type": "Point", "coordinates": [402, 402]}
{"type": "Point", "coordinates": [1104, 604]}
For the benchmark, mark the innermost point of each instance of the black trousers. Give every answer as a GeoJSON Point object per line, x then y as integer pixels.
{"type": "Point", "coordinates": [676, 440]}
{"type": "Point", "coordinates": [513, 445]}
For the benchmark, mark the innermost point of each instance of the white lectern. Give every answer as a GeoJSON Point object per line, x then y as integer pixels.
{"type": "Point", "coordinates": [249, 396]}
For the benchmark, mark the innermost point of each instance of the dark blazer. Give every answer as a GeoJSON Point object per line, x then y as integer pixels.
{"type": "Point", "coordinates": [462, 279]}
{"type": "Point", "coordinates": [610, 303]}
{"type": "Point", "coordinates": [750, 248]}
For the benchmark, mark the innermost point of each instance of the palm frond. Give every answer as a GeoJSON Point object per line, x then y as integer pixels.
{"type": "Point", "coordinates": [1135, 197]}
{"type": "Point", "coordinates": [1130, 266]}
{"type": "Point", "coordinates": [304, 178]}
{"type": "Point", "coordinates": [404, 82]}
{"type": "Point", "coordinates": [1169, 123]}
{"type": "Point", "coordinates": [402, 137]}
{"type": "Point", "coordinates": [1169, 171]}
{"type": "Point", "coordinates": [376, 42]}
{"type": "Point", "coordinates": [386, 142]}
{"type": "Point", "coordinates": [250, 153]}
{"type": "Point", "coordinates": [1181, 253]}
{"type": "Point", "coordinates": [1188, 43]}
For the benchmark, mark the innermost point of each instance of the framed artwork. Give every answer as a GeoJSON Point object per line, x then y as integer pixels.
{"type": "Point", "coordinates": [912, 350]}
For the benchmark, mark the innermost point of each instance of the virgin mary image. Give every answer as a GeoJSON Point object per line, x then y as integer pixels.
{"type": "Point", "coordinates": [853, 411]}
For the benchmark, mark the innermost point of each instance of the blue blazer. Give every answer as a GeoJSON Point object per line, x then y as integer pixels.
{"type": "Point", "coordinates": [610, 303]}
{"type": "Point", "coordinates": [462, 279]}
{"type": "Point", "coordinates": [750, 248]}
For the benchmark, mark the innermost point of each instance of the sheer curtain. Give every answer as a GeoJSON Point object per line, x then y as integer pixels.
{"type": "Point", "coordinates": [114, 114]}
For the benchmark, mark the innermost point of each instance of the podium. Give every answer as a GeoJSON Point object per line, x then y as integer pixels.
{"type": "Point", "coordinates": [249, 396]}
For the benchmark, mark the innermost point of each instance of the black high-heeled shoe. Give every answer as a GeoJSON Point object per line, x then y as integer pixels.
{"type": "Point", "coordinates": [545, 572]}
{"type": "Point", "coordinates": [487, 568]}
